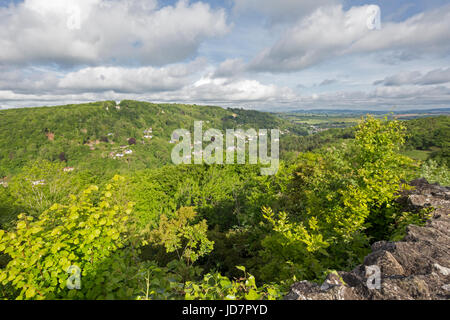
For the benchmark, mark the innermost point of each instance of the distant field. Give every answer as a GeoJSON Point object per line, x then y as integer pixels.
{"type": "Point", "coordinates": [322, 120]}
{"type": "Point", "coordinates": [417, 154]}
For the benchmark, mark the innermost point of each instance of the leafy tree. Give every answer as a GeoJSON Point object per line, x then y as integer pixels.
{"type": "Point", "coordinates": [184, 237]}
{"type": "Point", "coordinates": [43, 183]}
{"type": "Point", "coordinates": [92, 232]}
{"type": "Point", "coordinates": [434, 172]}
{"type": "Point", "coordinates": [338, 201]}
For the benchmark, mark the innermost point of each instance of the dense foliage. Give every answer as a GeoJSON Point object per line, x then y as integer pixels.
{"type": "Point", "coordinates": [194, 231]}
{"type": "Point", "coordinates": [88, 136]}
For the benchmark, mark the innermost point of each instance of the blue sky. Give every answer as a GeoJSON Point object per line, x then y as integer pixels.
{"type": "Point", "coordinates": [260, 54]}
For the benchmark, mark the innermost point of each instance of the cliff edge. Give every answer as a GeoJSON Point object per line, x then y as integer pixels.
{"type": "Point", "coordinates": [418, 267]}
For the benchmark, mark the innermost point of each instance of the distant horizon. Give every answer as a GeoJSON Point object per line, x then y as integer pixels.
{"type": "Point", "coordinates": [268, 110]}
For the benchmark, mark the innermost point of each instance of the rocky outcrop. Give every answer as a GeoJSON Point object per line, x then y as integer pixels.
{"type": "Point", "coordinates": [416, 268]}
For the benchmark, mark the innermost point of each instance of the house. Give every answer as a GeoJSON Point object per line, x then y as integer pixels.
{"type": "Point", "coordinates": [148, 137]}
{"type": "Point", "coordinates": [38, 183]}
{"type": "Point", "coordinates": [128, 151]}
{"type": "Point", "coordinates": [3, 182]}
{"type": "Point", "coordinates": [69, 169]}
{"type": "Point", "coordinates": [110, 134]}
{"type": "Point", "coordinates": [120, 155]}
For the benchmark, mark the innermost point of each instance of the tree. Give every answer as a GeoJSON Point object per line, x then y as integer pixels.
{"type": "Point", "coordinates": [181, 235]}
{"type": "Point", "coordinates": [93, 233]}
{"type": "Point", "coordinates": [43, 183]}
{"type": "Point", "coordinates": [338, 200]}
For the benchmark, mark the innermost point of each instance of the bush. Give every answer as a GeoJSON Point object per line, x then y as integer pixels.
{"type": "Point", "coordinates": [92, 233]}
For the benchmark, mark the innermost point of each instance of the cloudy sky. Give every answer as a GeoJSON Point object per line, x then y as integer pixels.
{"type": "Point", "coordinates": [257, 54]}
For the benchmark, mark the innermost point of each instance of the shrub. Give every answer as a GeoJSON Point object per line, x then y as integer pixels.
{"type": "Point", "coordinates": [92, 233]}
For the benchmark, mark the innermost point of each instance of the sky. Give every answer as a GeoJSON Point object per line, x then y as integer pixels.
{"type": "Point", "coordinates": [270, 55]}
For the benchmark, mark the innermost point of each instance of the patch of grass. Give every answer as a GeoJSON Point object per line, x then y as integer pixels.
{"type": "Point", "coordinates": [421, 155]}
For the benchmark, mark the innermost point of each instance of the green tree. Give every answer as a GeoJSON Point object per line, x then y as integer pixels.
{"type": "Point", "coordinates": [184, 237]}
{"type": "Point", "coordinates": [338, 201]}
{"type": "Point", "coordinates": [43, 183]}
{"type": "Point", "coordinates": [92, 233]}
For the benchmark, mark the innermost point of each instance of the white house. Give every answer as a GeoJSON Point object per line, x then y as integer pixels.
{"type": "Point", "coordinates": [128, 151]}
{"type": "Point", "coordinates": [38, 183]}
{"type": "Point", "coordinates": [69, 169]}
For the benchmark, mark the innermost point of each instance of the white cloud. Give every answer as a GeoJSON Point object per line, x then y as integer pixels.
{"type": "Point", "coordinates": [242, 90]}
{"type": "Point", "coordinates": [131, 80]}
{"type": "Point", "coordinates": [138, 49]}
{"type": "Point", "coordinates": [105, 31]}
{"type": "Point", "coordinates": [184, 83]}
{"type": "Point", "coordinates": [332, 32]}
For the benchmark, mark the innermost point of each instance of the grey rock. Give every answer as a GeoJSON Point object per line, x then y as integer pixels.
{"type": "Point", "coordinates": [418, 267]}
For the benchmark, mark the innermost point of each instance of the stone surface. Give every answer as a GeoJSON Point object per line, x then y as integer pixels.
{"type": "Point", "coordinates": [416, 268]}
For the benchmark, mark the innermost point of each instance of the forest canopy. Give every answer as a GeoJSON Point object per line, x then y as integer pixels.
{"type": "Point", "coordinates": [146, 229]}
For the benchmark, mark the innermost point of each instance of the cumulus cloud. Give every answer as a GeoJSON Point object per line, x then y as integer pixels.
{"type": "Point", "coordinates": [131, 80]}
{"type": "Point", "coordinates": [332, 32]}
{"type": "Point", "coordinates": [437, 76]}
{"type": "Point", "coordinates": [254, 94]}
{"type": "Point", "coordinates": [135, 32]}
{"type": "Point", "coordinates": [184, 83]}
{"type": "Point", "coordinates": [67, 51]}
{"type": "Point", "coordinates": [28, 80]}
{"type": "Point", "coordinates": [242, 90]}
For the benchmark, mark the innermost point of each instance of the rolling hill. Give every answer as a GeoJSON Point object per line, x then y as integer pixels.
{"type": "Point", "coordinates": [105, 137]}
